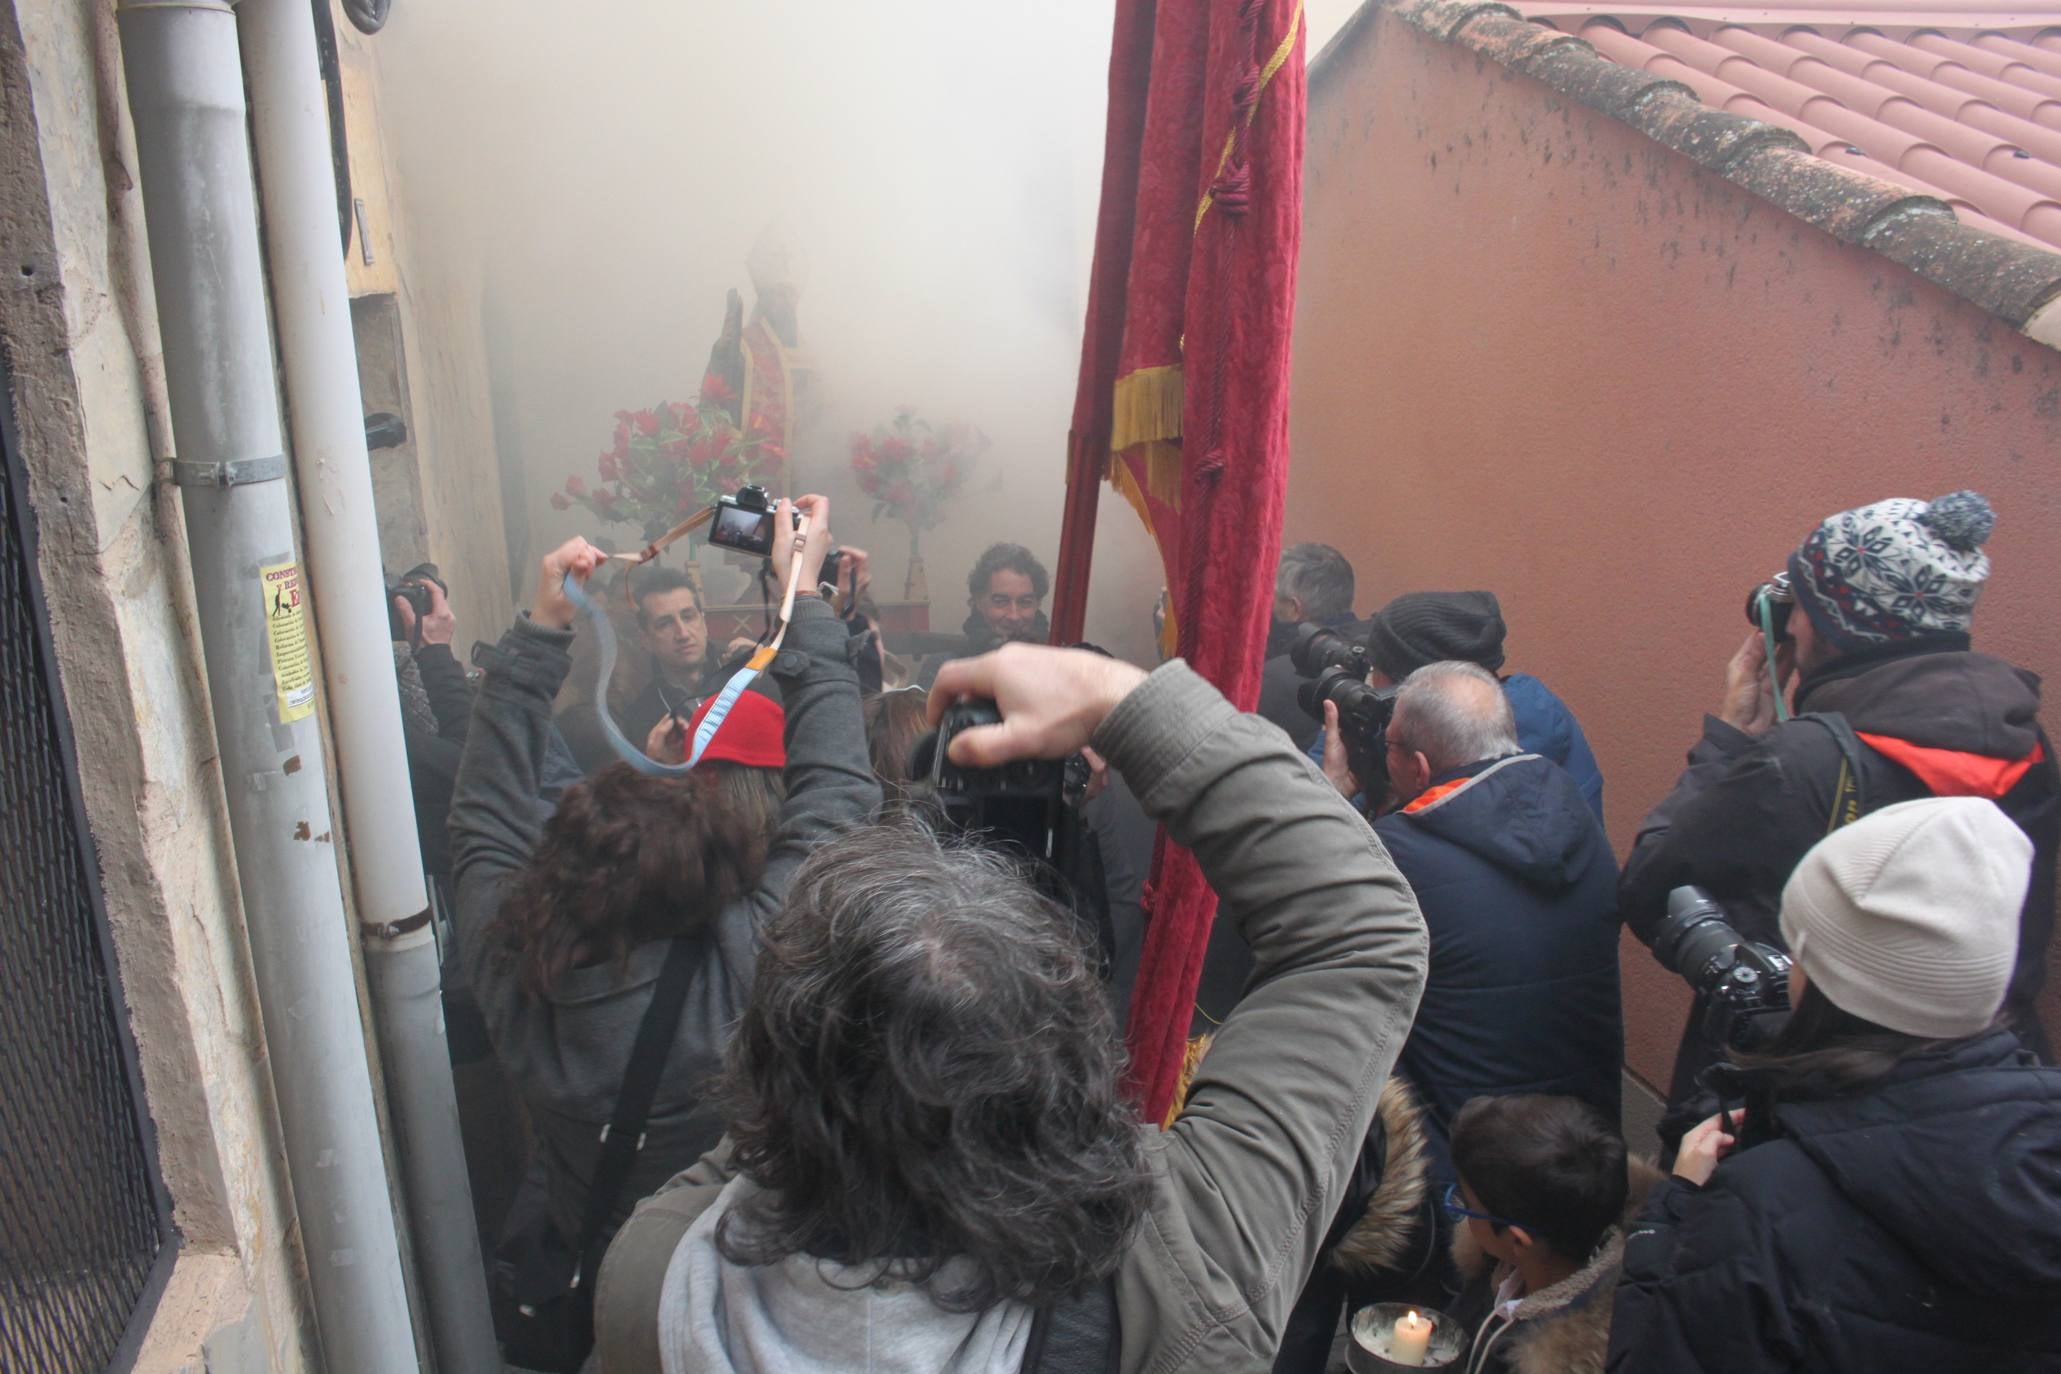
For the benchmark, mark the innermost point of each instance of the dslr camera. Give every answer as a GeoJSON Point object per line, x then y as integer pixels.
{"type": "Point", "coordinates": [744, 524]}
{"type": "Point", "coordinates": [411, 587]}
{"type": "Point", "coordinates": [1337, 671]}
{"type": "Point", "coordinates": [1744, 984]}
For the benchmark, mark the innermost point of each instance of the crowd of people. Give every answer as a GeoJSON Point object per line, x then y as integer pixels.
{"type": "Point", "coordinates": [820, 1075]}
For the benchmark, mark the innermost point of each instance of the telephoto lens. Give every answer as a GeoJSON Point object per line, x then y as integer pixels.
{"type": "Point", "coordinates": [1316, 648]}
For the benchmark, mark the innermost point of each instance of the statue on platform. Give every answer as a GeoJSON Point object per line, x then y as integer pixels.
{"type": "Point", "coordinates": [758, 370]}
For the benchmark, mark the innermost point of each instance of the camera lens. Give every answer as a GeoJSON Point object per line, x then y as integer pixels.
{"type": "Point", "coordinates": [1695, 940]}
{"type": "Point", "coordinates": [1316, 648]}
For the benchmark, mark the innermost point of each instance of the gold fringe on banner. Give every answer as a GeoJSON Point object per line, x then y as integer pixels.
{"type": "Point", "coordinates": [1147, 407]}
{"type": "Point", "coordinates": [1191, 1059]}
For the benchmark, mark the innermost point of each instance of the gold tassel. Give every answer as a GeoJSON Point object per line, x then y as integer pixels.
{"type": "Point", "coordinates": [1190, 1061]}
{"type": "Point", "coordinates": [1147, 407]}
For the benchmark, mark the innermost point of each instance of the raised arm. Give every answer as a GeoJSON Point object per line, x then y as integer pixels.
{"type": "Point", "coordinates": [496, 817]}
{"type": "Point", "coordinates": [1257, 1162]}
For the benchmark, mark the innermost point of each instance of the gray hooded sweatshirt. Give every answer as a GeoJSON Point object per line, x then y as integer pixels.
{"type": "Point", "coordinates": [810, 1316]}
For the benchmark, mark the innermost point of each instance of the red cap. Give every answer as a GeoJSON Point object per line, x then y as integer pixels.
{"type": "Point", "coordinates": [753, 734]}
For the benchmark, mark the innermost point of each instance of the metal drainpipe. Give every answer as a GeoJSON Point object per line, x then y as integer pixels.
{"type": "Point", "coordinates": [326, 411]}
{"type": "Point", "coordinates": [186, 91]}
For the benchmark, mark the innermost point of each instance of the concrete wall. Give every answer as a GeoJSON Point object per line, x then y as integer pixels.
{"type": "Point", "coordinates": [79, 332]}
{"type": "Point", "coordinates": [1539, 353]}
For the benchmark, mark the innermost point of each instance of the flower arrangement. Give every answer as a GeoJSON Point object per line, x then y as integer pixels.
{"type": "Point", "coordinates": [669, 461]}
{"type": "Point", "coordinates": [911, 468]}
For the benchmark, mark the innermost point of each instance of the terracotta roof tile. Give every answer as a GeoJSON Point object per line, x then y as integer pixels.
{"type": "Point", "coordinates": [1928, 135]}
{"type": "Point", "coordinates": [1972, 116]}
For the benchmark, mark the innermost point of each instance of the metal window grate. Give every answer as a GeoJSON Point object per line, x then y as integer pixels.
{"type": "Point", "coordinates": [82, 1220]}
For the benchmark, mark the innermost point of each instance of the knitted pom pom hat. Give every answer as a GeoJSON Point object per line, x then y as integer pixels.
{"type": "Point", "coordinates": [1896, 570]}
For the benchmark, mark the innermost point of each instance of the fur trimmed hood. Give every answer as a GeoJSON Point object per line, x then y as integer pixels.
{"type": "Point", "coordinates": [1565, 1329]}
{"type": "Point", "coordinates": [1393, 1234]}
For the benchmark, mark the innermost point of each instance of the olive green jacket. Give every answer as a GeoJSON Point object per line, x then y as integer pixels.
{"type": "Point", "coordinates": [1251, 1173]}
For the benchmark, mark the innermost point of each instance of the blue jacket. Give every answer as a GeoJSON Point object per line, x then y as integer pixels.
{"type": "Point", "coordinates": [1544, 727]}
{"type": "Point", "coordinates": [1519, 891]}
{"type": "Point", "coordinates": [1547, 728]}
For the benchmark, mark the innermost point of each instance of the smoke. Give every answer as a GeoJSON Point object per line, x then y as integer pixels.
{"type": "Point", "coordinates": [933, 165]}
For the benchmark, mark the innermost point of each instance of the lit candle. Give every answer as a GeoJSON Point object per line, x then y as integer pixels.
{"type": "Point", "coordinates": [1410, 1339]}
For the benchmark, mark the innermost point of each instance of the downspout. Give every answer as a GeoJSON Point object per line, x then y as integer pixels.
{"type": "Point", "coordinates": [333, 474]}
{"type": "Point", "coordinates": [186, 92]}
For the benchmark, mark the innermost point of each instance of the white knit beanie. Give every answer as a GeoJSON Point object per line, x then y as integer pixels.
{"type": "Point", "coordinates": [1909, 916]}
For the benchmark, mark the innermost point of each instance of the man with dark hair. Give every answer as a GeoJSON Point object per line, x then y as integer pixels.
{"type": "Point", "coordinates": [1005, 600]}
{"type": "Point", "coordinates": [669, 611]}
{"type": "Point", "coordinates": [1544, 1191]}
{"type": "Point", "coordinates": [1899, 707]}
{"type": "Point", "coordinates": [930, 1158]}
{"type": "Point", "coordinates": [1313, 586]}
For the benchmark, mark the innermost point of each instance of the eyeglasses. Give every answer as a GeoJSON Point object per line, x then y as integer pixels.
{"type": "Point", "coordinates": [1458, 1210]}
{"type": "Point", "coordinates": [1027, 604]}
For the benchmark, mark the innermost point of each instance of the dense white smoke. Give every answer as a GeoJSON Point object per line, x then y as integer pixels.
{"type": "Point", "coordinates": [934, 166]}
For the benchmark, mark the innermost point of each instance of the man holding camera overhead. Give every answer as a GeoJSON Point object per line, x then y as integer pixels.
{"type": "Point", "coordinates": [1892, 704]}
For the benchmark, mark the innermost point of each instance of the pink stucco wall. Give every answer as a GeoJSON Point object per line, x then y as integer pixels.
{"type": "Point", "coordinates": [1538, 353]}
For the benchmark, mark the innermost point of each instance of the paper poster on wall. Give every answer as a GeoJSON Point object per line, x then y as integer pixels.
{"type": "Point", "coordinates": [286, 620]}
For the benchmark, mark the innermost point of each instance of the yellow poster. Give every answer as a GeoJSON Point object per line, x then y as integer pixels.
{"type": "Point", "coordinates": [286, 620]}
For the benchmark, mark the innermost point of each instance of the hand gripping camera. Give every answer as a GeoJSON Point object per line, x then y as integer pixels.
{"type": "Point", "coordinates": [1744, 984]}
{"type": "Point", "coordinates": [1337, 672]}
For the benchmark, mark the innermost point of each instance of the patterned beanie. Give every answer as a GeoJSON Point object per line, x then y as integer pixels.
{"type": "Point", "coordinates": [1433, 627]}
{"type": "Point", "coordinates": [1895, 570]}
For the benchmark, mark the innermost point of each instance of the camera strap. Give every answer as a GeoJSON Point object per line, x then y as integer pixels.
{"type": "Point", "coordinates": [1849, 799]}
{"type": "Point", "coordinates": [740, 681]}
{"type": "Point", "coordinates": [1765, 606]}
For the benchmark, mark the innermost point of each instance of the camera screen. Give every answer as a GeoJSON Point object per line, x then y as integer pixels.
{"type": "Point", "coordinates": [737, 527]}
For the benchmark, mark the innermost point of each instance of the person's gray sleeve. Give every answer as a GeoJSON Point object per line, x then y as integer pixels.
{"type": "Point", "coordinates": [830, 782]}
{"type": "Point", "coordinates": [496, 817]}
{"type": "Point", "coordinates": [1251, 1173]}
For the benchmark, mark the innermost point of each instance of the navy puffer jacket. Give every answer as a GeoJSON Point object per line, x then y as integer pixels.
{"type": "Point", "coordinates": [1913, 1224]}
{"type": "Point", "coordinates": [1519, 891]}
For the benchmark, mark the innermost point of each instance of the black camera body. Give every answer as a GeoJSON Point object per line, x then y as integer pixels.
{"type": "Point", "coordinates": [1780, 599]}
{"type": "Point", "coordinates": [1336, 669]}
{"type": "Point", "coordinates": [744, 524]}
{"type": "Point", "coordinates": [1040, 780]}
{"type": "Point", "coordinates": [411, 587]}
{"type": "Point", "coordinates": [1744, 984]}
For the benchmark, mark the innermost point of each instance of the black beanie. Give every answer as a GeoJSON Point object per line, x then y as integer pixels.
{"type": "Point", "coordinates": [1431, 627]}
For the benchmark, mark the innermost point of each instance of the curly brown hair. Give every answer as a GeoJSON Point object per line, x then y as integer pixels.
{"type": "Point", "coordinates": [628, 858]}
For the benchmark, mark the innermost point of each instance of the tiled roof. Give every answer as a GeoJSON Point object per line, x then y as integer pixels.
{"type": "Point", "coordinates": [1773, 98]}
{"type": "Point", "coordinates": [1944, 104]}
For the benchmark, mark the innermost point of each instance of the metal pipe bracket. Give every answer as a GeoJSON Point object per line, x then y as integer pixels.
{"type": "Point", "coordinates": [237, 472]}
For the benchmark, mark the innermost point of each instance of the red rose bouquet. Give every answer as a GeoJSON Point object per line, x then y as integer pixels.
{"type": "Point", "coordinates": [911, 468]}
{"type": "Point", "coordinates": [670, 461]}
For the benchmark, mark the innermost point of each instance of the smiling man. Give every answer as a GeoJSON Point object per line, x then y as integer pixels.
{"type": "Point", "coordinates": [1005, 602]}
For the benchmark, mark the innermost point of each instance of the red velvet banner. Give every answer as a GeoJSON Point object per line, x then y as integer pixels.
{"type": "Point", "coordinates": [1183, 395]}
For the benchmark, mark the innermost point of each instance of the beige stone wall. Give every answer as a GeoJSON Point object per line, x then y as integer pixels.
{"type": "Point", "coordinates": [443, 343]}
{"type": "Point", "coordinates": [79, 331]}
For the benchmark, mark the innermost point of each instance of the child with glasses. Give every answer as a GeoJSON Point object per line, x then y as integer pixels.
{"type": "Point", "coordinates": [1536, 1216]}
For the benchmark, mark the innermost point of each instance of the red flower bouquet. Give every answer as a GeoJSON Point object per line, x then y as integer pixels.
{"type": "Point", "coordinates": [670, 461]}
{"type": "Point", "coordinates": [911, 468]}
